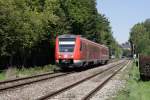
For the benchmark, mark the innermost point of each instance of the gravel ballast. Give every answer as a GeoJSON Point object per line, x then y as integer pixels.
{"type": "Point", "coordinates": [36, 90]}
{"type": "Point", "coordinates": [117, 83]}
{"type": "Point", "coordinates": [78, 92]}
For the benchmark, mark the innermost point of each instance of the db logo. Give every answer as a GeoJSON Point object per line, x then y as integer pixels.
{"type": "Point", "coordinates": [65, 56]}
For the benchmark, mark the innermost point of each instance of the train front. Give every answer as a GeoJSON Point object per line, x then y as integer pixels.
{"type": "Point", "coordinates": [67, 51]}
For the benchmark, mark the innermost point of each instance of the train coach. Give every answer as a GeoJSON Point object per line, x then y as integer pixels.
{"type": "Point", "coordinates": [76, 51]}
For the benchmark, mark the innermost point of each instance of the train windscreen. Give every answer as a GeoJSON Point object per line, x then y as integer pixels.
{"type": "Point", "coordinates": [66, 44]}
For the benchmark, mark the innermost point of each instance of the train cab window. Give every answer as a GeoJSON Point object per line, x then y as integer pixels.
{"type": "Point", "coordinates": [66, 44]}
{"type": "Point", "coordinates": [66, 39]}
{"type": "Point", "coordinates": [66, 48]}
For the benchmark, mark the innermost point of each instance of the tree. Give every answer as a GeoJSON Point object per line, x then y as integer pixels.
{"type": "Point", "coordinates": [28, 28]}
{"type": "Point", "coordinates": [140, 37]}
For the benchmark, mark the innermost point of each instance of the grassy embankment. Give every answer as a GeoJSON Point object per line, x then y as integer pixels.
{"type": "Point", "coordinates": [135, 88]}
{"type": "Point", "coordinates": [16, 73]}
{"type": "Point", "coordinates": [2, 75]}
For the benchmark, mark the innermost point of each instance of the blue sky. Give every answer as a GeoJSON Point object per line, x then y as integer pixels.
{"type": "Point", "coordinates": [123, 14]}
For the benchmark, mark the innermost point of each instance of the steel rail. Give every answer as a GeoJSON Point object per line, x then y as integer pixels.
{"type": "Point", "coordinates": [30, 82]}
{"type": "Point", "coordinates": [28, 77]}
{"type": "Point", "coordinates": [100, 86]}
{"type": "Point", "coordinates": [23, 78]}
{"type": "Point", "coordinates": [52, 94]}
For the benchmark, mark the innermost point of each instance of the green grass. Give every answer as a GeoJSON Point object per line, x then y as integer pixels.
{"type": "Point", "coordinates": [2, 75]}
{"type": "Point", "coordinates": [34, 70]}
{"type": "Point", "coordinates": [135, 88]}
{"type": "Point", "coordinates": [16, 73]}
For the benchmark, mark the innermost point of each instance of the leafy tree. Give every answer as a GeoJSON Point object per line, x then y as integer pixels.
{"type": "Point", "coordinates": [140, 37]}
{"type": "Point", "coordinates": [28, 28]}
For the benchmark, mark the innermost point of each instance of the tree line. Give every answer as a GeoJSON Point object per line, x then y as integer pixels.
{"type": "Point", "coordinates": [28, 28]}
{"type": "Point", "coordinates": [140, 38]}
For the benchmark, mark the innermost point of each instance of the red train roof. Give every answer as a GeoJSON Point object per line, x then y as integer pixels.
{"type": "Point", "coordinates": [74, 36]}
{"type": "Point", "coordinates": [94, 43]}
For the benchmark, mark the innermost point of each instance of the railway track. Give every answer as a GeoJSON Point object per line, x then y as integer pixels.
{"type": "Point", "coordinates": [95, 90]}
{"type": "Point", "coordinates": [13, 83]}
{"type": "Point", "coordinates": [64, 89]}
{"type": "Point", "coordinates": [41, 87]}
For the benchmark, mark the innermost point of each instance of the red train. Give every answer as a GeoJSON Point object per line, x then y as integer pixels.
{"type": "Point", "coordinates": [76, 51]}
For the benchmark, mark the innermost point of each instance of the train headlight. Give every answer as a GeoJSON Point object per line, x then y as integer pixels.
{"type": "Point", "coordinates": [59, 56]}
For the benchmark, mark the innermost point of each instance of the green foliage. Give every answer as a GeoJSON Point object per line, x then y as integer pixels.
{"type": "Point", "coordinates": [28, 28]}
{"type": "Point", "coordinates": [23, 72]}
{"type": "Point", "coordinates": [2, 75]}
{"type": "Point", "coordinates": [140, 37]}
{"type": "Point", "coordinates": [34, 70]}
{"type": "Point", "coordinates": [22, 28]}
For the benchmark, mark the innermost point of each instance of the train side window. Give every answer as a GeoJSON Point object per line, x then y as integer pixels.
{"type": "Point", "coordinates": [81, 46]}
